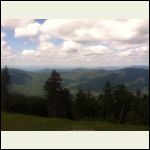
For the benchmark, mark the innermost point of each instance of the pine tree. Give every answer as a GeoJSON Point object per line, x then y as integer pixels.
{"type": "Point", "coordinates": [107, 101]}
{"type": "Point", "coordinates": [5, 84]}
{"type": "Point", "coordinates": [59, 98]}
{"type": "Point", "coordinates": [79, 106]}
{"type": "Point", "coordinates": [52, 88]}
{"type": "Point", "coordinates": [123, 99]}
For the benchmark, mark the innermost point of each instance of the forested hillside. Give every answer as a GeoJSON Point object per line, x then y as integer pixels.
{"type": "Point", "coordinates": [75, 79]}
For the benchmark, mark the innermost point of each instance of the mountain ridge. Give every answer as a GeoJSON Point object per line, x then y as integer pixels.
{"type": "Point", "coordinates": [31, 83]}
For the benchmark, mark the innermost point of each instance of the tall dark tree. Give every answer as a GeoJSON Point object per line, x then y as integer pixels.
{"type": "Point", "coordinates": [5, 84]}
{"type": "Point", "coordinates": [121, 107]}
{"type": "Point", "coordinates": [53, 88]}
{"type": "Point", "coordinates": [85, 106]}
{"type": "Point", "coordinates": [79, 105]}
{"type": "Point", "coordinates": [107, 101]}
{"type": "Point", "coordinates": [59, 98]}
{"type": "Point", "coordinates": [139, 112]}
{"type": "Point", "coordinates": [100, 101]}
{"type": "Point", "coordinates": [138, 92]}
{"type": "Point", "coordinates": [65, 104]}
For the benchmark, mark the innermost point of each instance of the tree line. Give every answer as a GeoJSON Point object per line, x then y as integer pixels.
{"type": "Point", "coordinates": [115, 104]}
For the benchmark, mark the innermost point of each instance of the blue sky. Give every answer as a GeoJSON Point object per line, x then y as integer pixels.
{"type": "Point", "coordinates": [75, 42]}
{"type": "Point", "coordinates": [17, 44]}
{"type": "Point", "coordinates": [40, 20]}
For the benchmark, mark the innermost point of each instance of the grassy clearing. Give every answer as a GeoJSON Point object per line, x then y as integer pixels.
{"type": "Point", "coordinates": [20, 122]}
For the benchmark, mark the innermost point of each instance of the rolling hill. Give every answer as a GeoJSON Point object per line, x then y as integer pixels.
{"type": "Point", "coordinates": [31, 83]}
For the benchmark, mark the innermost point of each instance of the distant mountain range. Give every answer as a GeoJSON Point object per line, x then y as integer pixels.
{"type": "Point", "coordinates": [31, 83]}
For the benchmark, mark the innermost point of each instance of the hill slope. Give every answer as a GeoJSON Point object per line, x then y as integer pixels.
{"type": "Point", "coordinates": [31, 83]}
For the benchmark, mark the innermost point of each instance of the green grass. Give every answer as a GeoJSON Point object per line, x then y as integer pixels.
{"type": "Point", "coordinates": [20, 122]}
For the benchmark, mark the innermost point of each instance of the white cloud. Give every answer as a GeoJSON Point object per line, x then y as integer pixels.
{"type": "Point", "coordinates": [86, 41]}
{"type": "Point", "coordinates": [64, 28]}
{"type": "Point", "coordinates": [28, 52]}
{"type": "Point", "coordinates": [143, 52]}
{"type": "Point", "coordinates": [95, 50]}
{"type": "Point", "coordinates": [43, 46]}
{"type": "Point", "coordinates": [139, 53]}
{"type": "Point", "coordinates": [44, 37]}
{"type": "Point", "coordinates": [125, 53]}
{"type": "Point", "coordinates": [6, 51]}
{"type": "Point", "coordinates": [3, 35]}
{"type": "Point", "coordinates": [71, 46]}
{"type": "Point", "coordinates": [56, 24]}
{"type": "Point", "coordinates": [96, 30]}
{"type": "Point", "coordinates": [30, 30]}
{"type": "Point", "coordinates": [13, 23]}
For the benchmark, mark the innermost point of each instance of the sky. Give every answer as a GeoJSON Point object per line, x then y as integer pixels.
{"type": "Point", "coordinates": [74, 42]}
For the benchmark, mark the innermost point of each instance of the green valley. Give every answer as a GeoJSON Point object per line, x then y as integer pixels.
{"type": "Point", "coordinates": [31, 83]}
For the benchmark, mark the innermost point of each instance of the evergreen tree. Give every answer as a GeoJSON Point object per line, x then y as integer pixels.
{"type": "Point", "coordinates": [52, 88]}
{"type": "Point", "coordinates": [59, 98]}
{"type": "Point", "coordinates": [79, 109]}
{"type": "Point", "coordinates": [5, 84]}
{"type": "Point", "coordinates": [138, 92]}
{"type": "Point", "coordinates": [65, 104]}
{"type": "Point", "coordinates": [100, 101]}
{"type": "Point", "coordinates": [107, 101]}
{"type": "Point", "coordinates": [121, 107]}
{"type": "Point", "coordinates": [139, 112]}
{"type": "Point", "coordinates": [86, 105]}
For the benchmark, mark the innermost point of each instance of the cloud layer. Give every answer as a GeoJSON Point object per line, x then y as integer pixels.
{"type": "Point", "coordinates": [84, 42]}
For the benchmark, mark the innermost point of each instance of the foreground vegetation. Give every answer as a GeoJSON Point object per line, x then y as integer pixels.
{"type": "Point", "coordinates": [20, 122]}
